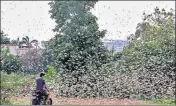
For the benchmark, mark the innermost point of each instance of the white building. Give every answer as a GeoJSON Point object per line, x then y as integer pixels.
{"type": "Point", "coordinates": [17, 50]}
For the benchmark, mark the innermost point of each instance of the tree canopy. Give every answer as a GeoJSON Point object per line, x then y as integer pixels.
{"type": "Point", "coordinates": [4, 38]}
{"type": "Point", "coordinates": [78, 39]}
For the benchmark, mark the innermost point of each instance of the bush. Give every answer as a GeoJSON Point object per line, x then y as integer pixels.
{"type": "Point", "coordinates": [161, 101]}
{"type": "Point", "coordinates": [32, 61]}
{"type": "Point", "coordinates": [14, 85]}
{"type": "Point", "coordinates": [10, 84]}
{"type": "Point", "coordinates": [9, 63]}
{"type": "Point", "coordinates": [52, 79]}
{"type": "Point", "coordinates": [150, 57]}
{"type": "Point", "coordinates": [145, 69]}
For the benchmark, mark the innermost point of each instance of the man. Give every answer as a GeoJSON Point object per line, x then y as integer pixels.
{"type": "Point", "coordinates": [41, 86]}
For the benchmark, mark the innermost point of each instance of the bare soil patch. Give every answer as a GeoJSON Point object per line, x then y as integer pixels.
{"type": "Point", "coordinates": [76, 101]}
{"type": "Point", "coordinates": [26, 100]}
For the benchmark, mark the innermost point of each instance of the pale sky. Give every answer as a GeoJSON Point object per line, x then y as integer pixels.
{"type": "Point", "coordinates": [119, 18]}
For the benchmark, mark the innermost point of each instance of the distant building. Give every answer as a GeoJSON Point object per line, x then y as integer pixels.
{"type": "Point", "coordinates": [18, 50]}
{"type": "Point", "coordinates": [117, 45]}
{"type": "Point", "coordinates": [12, 48]}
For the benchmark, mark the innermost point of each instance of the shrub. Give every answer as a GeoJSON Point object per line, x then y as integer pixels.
{"type": "Point", "coordinates": [14, 85]}
{"type": "Point", "coordinates": [9, 62]}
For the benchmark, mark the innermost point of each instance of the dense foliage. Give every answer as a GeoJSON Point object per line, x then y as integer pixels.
{"type": "Point", "coordinates": [145, 68]}
{"type": "Point", "coordinates": [15, 85]}
{"type": "Point", "coordinates": [147, 65]}
{"type": "Point", "coordinates": [4, 39]}
{"type": "Point", "coordinates": [152, 55]}
{"type": "Point", "coordinates": [77, 46]}
{"type": "Point", "coordinates": [9, 62]}
{"type": "Point", "coordinates": [32, 61]}
{"type": "Point", "coordinates": [47, 57]}
{"type": "Point", "coordinates": [78, 65]}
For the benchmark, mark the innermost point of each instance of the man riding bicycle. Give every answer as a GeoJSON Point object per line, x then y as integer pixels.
{"type": "Point", "coordinates": [41, 86]}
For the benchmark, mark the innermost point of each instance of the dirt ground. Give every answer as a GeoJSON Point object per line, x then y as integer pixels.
{"type": "Point", "coordinates": [21, 100]}
{"type": "Point", "coordinates": [74, 101]}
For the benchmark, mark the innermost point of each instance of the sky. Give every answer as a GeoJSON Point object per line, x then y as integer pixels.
{"type": "Point", "coordinates": [31, 18]}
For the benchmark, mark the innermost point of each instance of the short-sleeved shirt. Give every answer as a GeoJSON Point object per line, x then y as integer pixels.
{"type": "Point", "coordinates": [40, 82]}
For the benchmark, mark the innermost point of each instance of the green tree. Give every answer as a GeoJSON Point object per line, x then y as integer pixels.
{"type": "Point", "coordinates": [17, 41]}
{"type": "Point", "coordinates": [112, 49]}
{"type": "Point", "coordinates": [29, 42]}
{"type": "Point", "coordinates": [47, 59]}
{"type": "Point", "coordinates": [151, 53]}
{"type": "Point", "coordinates": [77, 46]}
{"type": "Point", "coordinates": [117, 56]}
{"type": "Point", "coordinates": [9, 63]}
{"type": "Point", "coordinates": [4, 38]}
{"type": "Point", "coordinates": [32, 61]}
{"type": "Point", "coordinates": [79, 40]}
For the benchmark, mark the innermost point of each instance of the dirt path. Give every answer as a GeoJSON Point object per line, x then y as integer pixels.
{"type": "Point", "coordinates": [26, 100]}
{"type": "Point", "coordinates": [21, 100]}
{"type": "Point", "coordinates": [75, 101]}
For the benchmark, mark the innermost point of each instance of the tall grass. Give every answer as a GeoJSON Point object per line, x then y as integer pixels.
{"type": "Point", "coordinates": [13, 85]}
{"type": "Point", "coordinates": [17, 85]}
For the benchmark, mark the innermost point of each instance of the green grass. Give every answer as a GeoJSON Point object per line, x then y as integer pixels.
{"type": "Point", "coordinates": [160, 101]}
{"type": "Point", "coordinates": [164, 101]}
{"type": "Point", "coordinates": [7, 102]}
{"type": "Point", "coordinates": [11, 85]}
{"type": "Point", "coordinates": [20, 101]}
